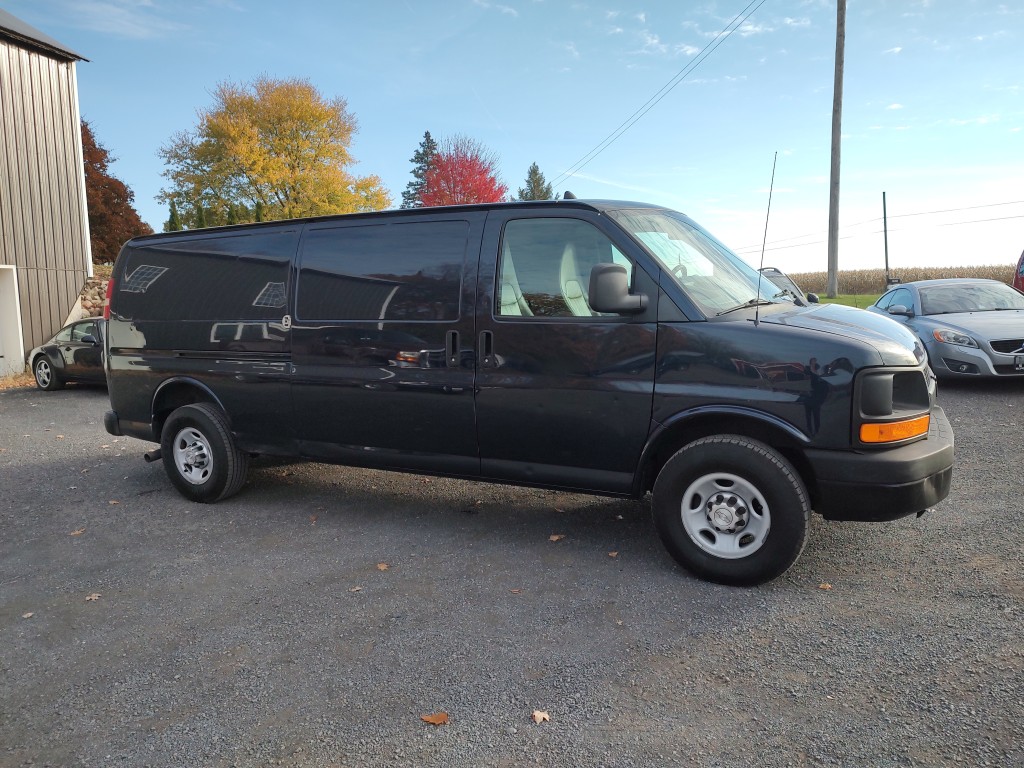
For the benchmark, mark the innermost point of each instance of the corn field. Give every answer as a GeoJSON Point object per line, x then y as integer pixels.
{"type": "Point", "coordinates": [872, 281]}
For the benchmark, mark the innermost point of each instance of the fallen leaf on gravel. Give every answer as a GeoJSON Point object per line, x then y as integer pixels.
{"type": "Point", "coordinates": [93, 597]}
{"type": "Point", "coordinates": [440, 718]}
{"type": "Point", "coordinates": [824, 586]}
{"type": "Point", "coordinates": [28, 615]}
{"type": "Point", "coordinates": [613, 554]}
{"type": "Point", "coordinates": [112, 501]}
{"type": "Point", "coordinates": [356, 589]}
{"type": "Point", "coordinates": [556, 537]}
{"type": "Point", "coordinates": [312, 519]}
{"type": "Point", "coordinates": [104, 446]}
{"type": "Point", "coordinates": [60, 437]}
{"type": "Point", "coordinates": [540, 717]}
{"type": "Point", "coordinates": [517, 591]}
{"type": "Point", "coordinates": [79, 532]}
{"type": "Point", "coordinates": [382, 566]}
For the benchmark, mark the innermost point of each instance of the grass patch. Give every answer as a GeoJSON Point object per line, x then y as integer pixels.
{"type": "Point", "coordinates": [859, 300]}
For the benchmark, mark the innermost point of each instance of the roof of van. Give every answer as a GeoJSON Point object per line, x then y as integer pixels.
{"type": "Point", "coordinates": [590, 205]}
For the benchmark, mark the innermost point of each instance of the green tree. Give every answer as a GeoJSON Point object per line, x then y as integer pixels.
{"type": "Point", "coordinates": [173, 223]}
{"type": "Point", "coordinates": [412, 197]}
{"type": "Point", "coordinates": [537, 187]}
{"type": "Point", "coordinates": [200, 216]}
{"type": "Point", "coordinates": [276, 144]}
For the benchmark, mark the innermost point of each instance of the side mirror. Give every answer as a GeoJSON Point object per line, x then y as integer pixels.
{"type": "Point", "coordinates": [609, 291]}
{"type": "Point", "coordinates": [812, 298]}
{"type": "Point", "coordinates": [900, 309]}
{"type": "Point", "coordinates": [90, 339]}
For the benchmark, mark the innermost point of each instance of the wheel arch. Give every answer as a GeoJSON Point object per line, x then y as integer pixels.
{"type": "Point", "coordinates": [176, 392]}
{"type": "Point", "coordinates": [706, 421]}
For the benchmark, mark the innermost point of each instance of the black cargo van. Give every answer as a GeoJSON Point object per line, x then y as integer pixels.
{"type": "Point", "coordinates": [604, 347]}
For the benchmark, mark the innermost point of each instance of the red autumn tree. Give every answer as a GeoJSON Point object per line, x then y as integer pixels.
{"type": "Point", "coordinates": [462, 171]}
{"type": "Point", "coordinates": [112, 217]}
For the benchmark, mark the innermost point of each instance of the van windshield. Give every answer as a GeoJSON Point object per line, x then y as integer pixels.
{"type": "Point", "coordinates": [714, 278]}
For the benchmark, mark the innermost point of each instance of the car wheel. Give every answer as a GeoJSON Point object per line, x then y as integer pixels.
{"type": "Point", "coordinates": [732, 510]}
{"type": "Point", "coordinates": [199, 454]}
{"type": "Point", "coordinates": [46, 376]}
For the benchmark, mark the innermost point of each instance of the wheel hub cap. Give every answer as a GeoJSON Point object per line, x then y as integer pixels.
{"type": "Point", "coordinates": [727, 513]}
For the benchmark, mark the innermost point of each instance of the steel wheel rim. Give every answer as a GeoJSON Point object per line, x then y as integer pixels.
{"type": "Point", "coordinates": [44, 374]}
{"type": "Point", "coordinates": [192, 455]}
{"type": "Point", "coordinates": [725, 515]}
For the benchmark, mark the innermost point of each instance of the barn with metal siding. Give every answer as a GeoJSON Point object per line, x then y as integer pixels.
{"type": "Point", "coordinates": [44, 226]}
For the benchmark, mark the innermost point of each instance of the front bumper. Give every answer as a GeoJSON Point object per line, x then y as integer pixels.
{"type": "Point", "coordinates": [888, 484]}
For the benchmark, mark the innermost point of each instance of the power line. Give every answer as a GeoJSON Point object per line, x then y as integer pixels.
{"type": "Point", "coordinates": [648, 105]}
{"type": "Point", "coordinates": [748, 248]}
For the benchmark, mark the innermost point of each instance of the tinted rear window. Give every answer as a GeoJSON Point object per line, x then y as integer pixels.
{"type": "Point", "coordinates": [405, 272]}
{"type": "Point", "coordinates": [229, 277]}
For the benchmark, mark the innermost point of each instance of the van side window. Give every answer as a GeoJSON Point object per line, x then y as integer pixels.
{"type": "Point", "coordinates": [544, 267]}
{"type": "Point", "coordinates": [241, 277]}
{"type": "Point", "coordinates": [404, 272]}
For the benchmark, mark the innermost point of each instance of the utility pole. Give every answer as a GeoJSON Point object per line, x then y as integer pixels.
{"type": "Point", "coordinates": [885, 234]}
{"type": "Point", "coordinates": [837, 123]}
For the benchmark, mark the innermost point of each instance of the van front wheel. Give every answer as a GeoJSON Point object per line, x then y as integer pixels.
{"type": "Point", "coordinates": [731, 509]}
{"type": "Point", "coordinates": [199, 454]}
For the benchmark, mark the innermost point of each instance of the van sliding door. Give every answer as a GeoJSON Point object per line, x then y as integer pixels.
{"type": "Point", "coordinates": [383, 340]}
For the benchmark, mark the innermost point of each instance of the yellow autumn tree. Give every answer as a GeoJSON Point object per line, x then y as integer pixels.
{"type": "Point", "coordinates": [269, 149]}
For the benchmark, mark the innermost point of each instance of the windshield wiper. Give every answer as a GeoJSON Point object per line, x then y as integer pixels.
{"type": "Point", "coordinates": [745, 305]}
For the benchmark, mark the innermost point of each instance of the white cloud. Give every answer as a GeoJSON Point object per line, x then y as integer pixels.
{"type": "Point", "coordinates": [687, 50]}
{"type": "Point", "coordinates": [801, 22]}
{"type": "Point", "coordinates": [133, 19]}
{"type": "Point", "coordinates": [897, 49]}
{"type": "Point", "coordinates": [573, 51]}
{"type": "Point", "coordinates": [748, 29]}
{"type": "Point", "coordinates": [895, 106]}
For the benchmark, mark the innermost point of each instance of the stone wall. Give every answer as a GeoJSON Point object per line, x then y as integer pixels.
{"type": "Point", "coordinates": [90, 301]}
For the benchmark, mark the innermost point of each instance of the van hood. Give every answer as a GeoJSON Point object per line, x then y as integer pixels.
{"type": "Point", "coordinates": [894, 343]}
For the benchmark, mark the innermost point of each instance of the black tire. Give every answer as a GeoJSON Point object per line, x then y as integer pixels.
{"type": "Point", "coordinates": [732, 510]}
{"type": "Point", "coordinates": [46, 375]}
{"type": "Point", "coordinates": [199, 454]}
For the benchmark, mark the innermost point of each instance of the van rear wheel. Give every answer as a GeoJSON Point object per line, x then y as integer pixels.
{"type": "Point", "coordinates": [731, 509]}
{"type": "Point", "coordinates": [199, 454]}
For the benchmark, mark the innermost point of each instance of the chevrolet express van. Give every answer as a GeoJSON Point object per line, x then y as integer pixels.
{"type": "Point", "coordinates": [599, 347]}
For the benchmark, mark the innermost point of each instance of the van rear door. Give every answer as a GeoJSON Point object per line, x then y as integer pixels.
{"type": "Point", "coordinates": [382, 342]}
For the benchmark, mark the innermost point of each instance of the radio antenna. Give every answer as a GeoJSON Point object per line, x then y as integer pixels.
{"type": "Point", "coordinates": [764, 243]}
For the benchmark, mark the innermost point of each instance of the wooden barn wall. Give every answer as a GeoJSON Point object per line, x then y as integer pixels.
{"type": "Point", "coordinates": [43, 219]}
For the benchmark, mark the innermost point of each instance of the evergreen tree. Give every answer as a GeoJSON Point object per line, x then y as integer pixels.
{"type": "Point", "coordinates": [412, 197]}
{"type": "Point", "coordinates": [232, 214]}
{"type": "Point", "coordinates": [200, 216]}
{"type": "Point", "coordinates": [537, 187]}
{"type": "Point", "coordinates": [258, 212]}
{"type": "Point", "coordinates": [173, 223]}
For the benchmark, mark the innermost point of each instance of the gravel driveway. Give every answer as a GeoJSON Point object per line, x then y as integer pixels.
{"type": "Point", "coordinates": [313, 619]}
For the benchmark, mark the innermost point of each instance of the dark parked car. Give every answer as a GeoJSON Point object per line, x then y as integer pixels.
{"type": "Point", "coordinates": [75, 353]}
{"type": "Point", "coordinates": [785, 283]}
{"type": "Point", "coordinates": [970, 328]}
{"type": "Point", "coordinates": [601, 347]}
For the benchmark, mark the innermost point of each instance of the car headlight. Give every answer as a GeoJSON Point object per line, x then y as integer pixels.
{"type": "Point", "coordinates": [948, 336]}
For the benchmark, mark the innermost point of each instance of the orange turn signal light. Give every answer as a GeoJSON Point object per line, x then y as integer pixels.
{"type": "Point", "coordinates": [894, 430]}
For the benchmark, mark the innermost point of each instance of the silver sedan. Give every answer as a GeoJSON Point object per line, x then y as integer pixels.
{"type": "Point", "coordinates": [970, 328]}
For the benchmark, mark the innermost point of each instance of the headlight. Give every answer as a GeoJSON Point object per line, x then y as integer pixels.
{"type": "Point", "coordinates": [947, 336]}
